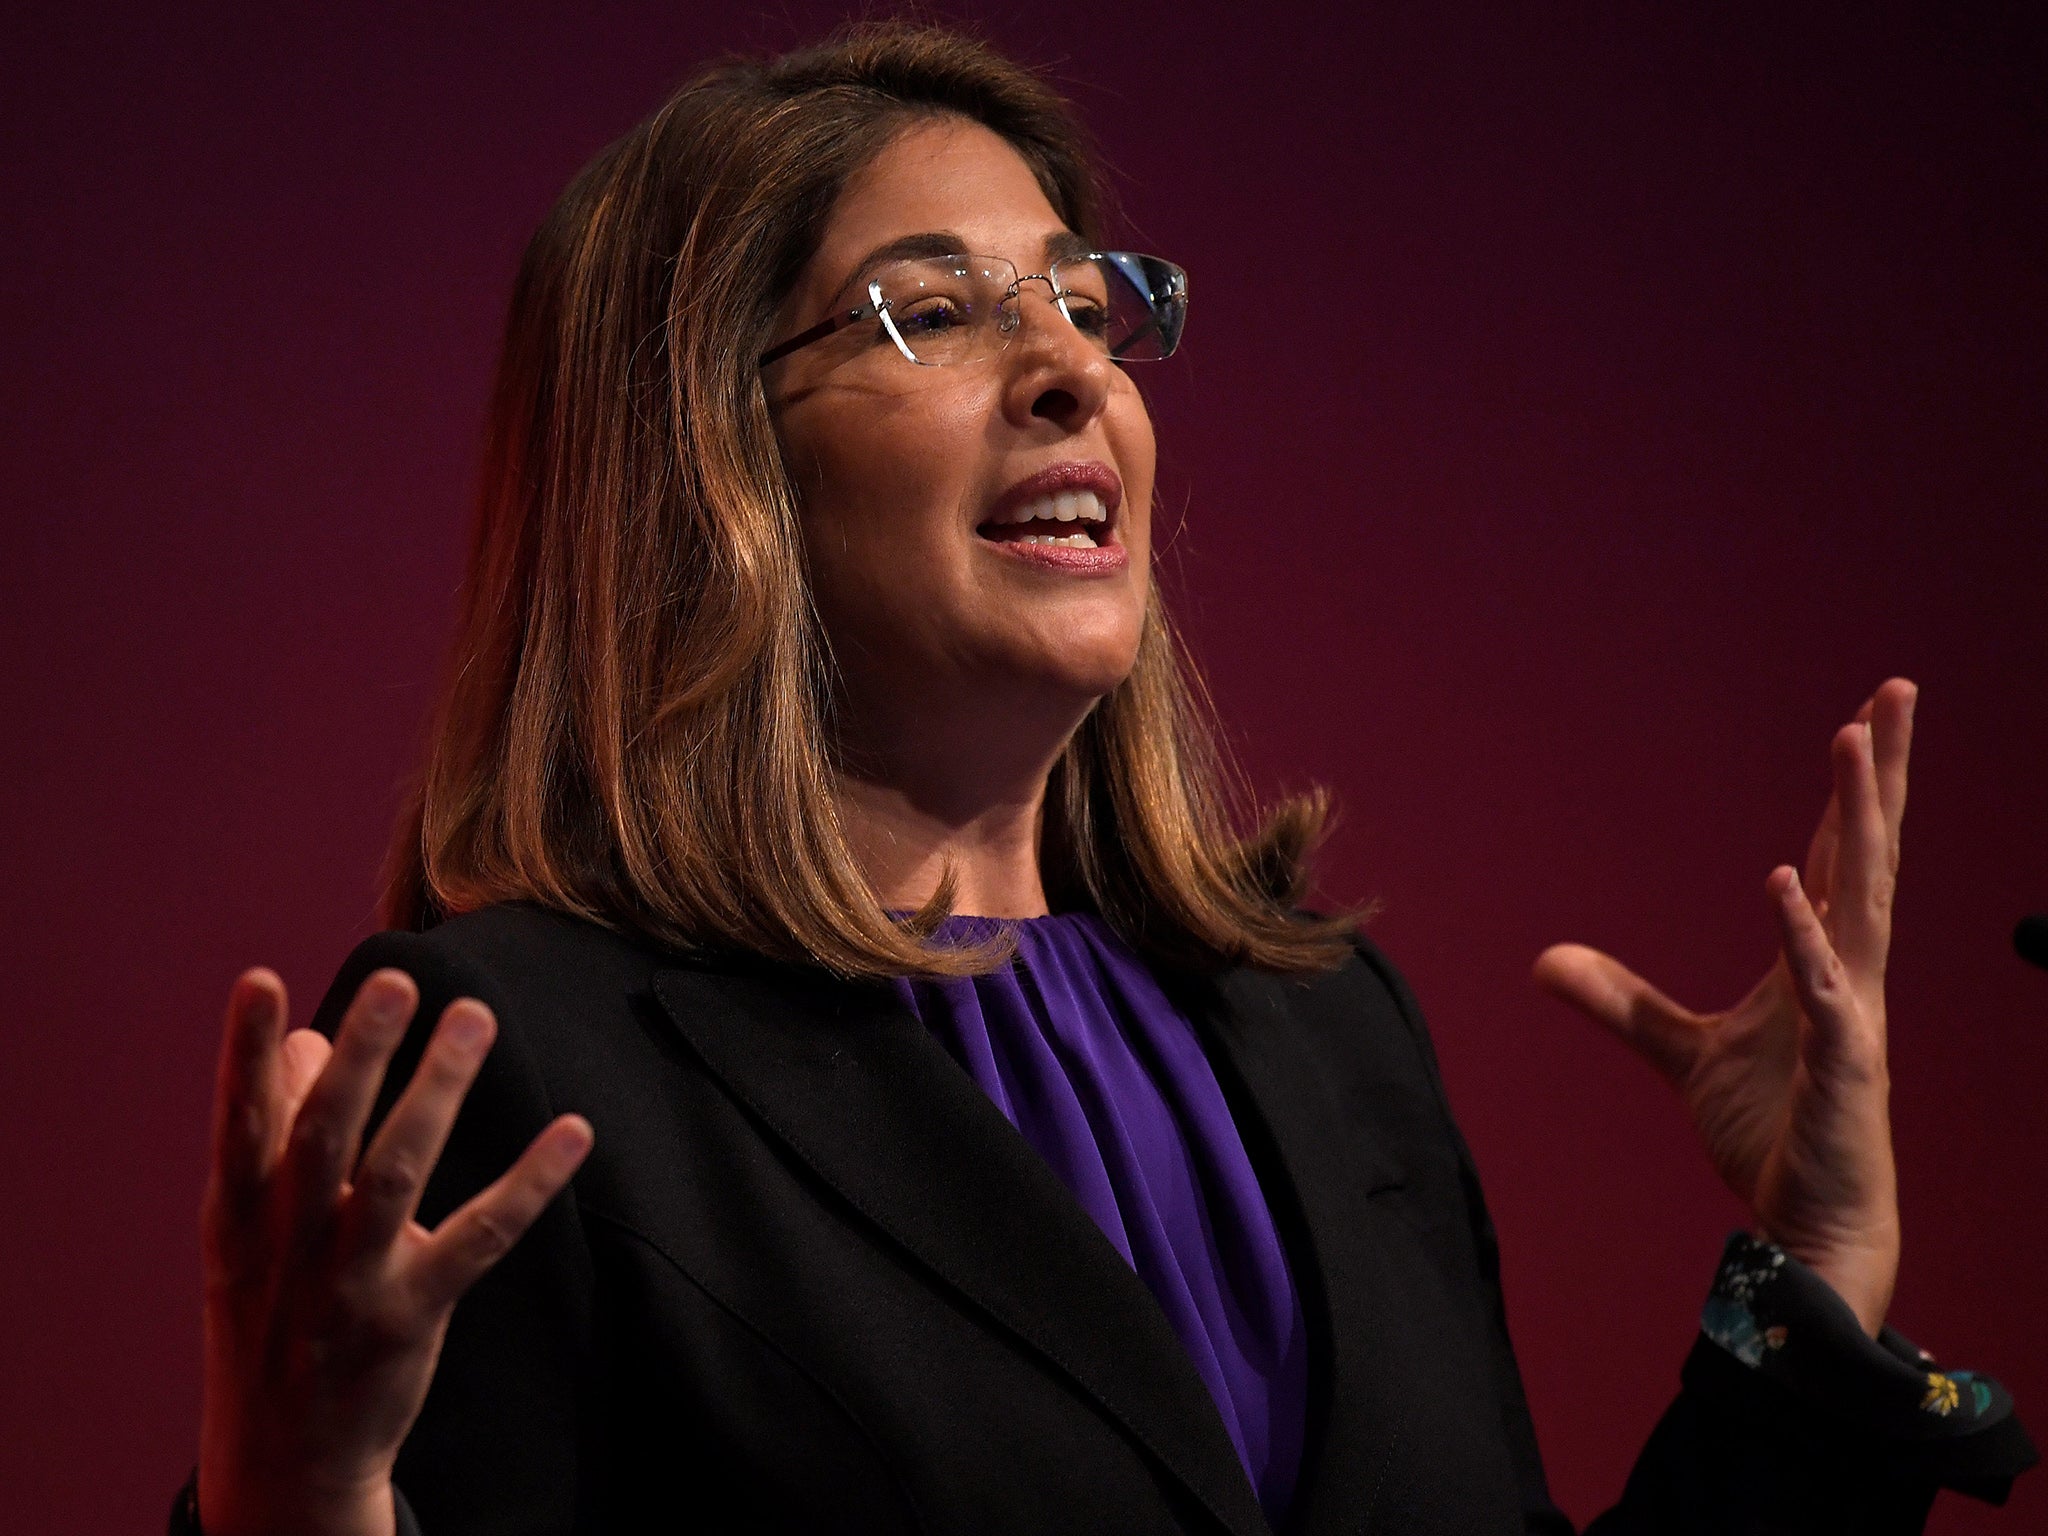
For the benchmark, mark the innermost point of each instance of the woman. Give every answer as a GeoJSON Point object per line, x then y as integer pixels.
{"type": "Point", "coordinates": [811, 666]}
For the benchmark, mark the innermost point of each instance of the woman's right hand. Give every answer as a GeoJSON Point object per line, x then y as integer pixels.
{"type": "Point", "coordinates": [326, 1303]}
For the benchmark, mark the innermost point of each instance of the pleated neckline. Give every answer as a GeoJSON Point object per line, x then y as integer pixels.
{"type": "Point", "coordinates": [1082, 1051]}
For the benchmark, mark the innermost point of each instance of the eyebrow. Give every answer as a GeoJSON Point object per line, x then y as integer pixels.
{"type": "Point", "coordinates": [1064, 246]}
{"type": "Point", "coordinates": [1060, 245]}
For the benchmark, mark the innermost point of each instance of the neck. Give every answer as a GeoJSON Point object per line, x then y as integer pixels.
{"type": "Point", "coordinates": [971, 798]}
{"type": "Point", "coordinates": [904, 844]}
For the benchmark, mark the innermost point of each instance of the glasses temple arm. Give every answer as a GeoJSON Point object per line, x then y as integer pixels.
{"type": "Point", "coordinates": [818, 332]}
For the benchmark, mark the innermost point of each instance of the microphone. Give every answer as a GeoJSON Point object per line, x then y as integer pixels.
{"type": "Point", "coordinates": [2030, 938]}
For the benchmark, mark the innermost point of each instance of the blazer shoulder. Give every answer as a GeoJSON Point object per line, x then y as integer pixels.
{"type": "Point", "coordinates": [1367, 978]}
{"type": "Point", "coordinates": [523, 960]}
{"type": "Point", "coordinates": [517, 939]}
{"type": "Point", "coordinates": [1365, 1005]}
{"type": "Point", "coordinates": [1381, 975]}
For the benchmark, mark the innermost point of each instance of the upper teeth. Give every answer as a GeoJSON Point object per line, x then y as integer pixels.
{"type": "Point", "coordinates": [1066, 507]}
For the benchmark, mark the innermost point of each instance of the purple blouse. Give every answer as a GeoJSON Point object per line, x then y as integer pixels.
{"type": "Point", "coordinates": [1104, 1077]}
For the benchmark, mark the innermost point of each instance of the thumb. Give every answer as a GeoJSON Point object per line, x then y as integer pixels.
{"type": "Point", "coordinates": [1615, 997]}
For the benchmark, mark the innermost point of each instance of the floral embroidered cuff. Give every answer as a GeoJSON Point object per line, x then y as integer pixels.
{"type": "Point", "coordinates": [1782, 1320]}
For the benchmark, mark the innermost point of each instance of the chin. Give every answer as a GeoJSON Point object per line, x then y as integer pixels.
{"type": "Point", "coordinates": [1096, 680]}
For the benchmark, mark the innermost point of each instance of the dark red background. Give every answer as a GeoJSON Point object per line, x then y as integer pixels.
{"type": "Point", "coordinates": [1583, 408]}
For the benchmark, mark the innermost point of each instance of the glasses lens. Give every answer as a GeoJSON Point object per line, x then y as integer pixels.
{"type": "Point", "coordinates": [946, 308]}
{"type": "Point", "coordinates": [1135, 306]}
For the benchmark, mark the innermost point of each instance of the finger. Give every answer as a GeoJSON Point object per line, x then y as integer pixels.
{"type": "Point", "coordinates": [1819, 869]}
{"type": "Point", "coordinates": [1667, 1036]}
{"type": "Point", "coordinates": [1841, 1037]}
{"type": "Point", "coordinates": [481, 1232]}
{"type": "Point", "coordinates": [248, 1111]}
{"type": "Point", "coordinates": [1860, 902]}
{"type": "Point", "coordinates": [329, 1124]}
{"type": "Point", "coordinates": [305, 1053]}
{"type": "Point", "coordinates": [1820, 853]}
{"type": "Point", "coordinates": [1891, 727]}
{"type": "Point", "coordinates": [385, 1190]}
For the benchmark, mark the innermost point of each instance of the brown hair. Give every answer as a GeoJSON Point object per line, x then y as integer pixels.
{"type": "Point", "coordinates": [636, 727]}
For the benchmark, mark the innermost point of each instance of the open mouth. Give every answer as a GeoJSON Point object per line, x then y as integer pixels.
{"type": "Point", "coordinates": [1075, 519]}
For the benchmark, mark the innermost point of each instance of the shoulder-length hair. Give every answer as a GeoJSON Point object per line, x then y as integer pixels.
{"type": "Point", "coordinates": [636, 726]}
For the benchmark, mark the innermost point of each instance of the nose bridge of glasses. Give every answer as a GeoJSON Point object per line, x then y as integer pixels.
{"type": "Point", "coordinates": [1011, 305]}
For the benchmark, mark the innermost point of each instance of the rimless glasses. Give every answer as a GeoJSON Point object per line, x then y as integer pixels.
{"type": "Point", "coordinates": [957, 309]}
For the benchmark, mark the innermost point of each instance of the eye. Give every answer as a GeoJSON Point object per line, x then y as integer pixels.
{"type": "Point", "coordinates": [930, 316]}
{"type": "Point", "coordinates": [1090, 316]}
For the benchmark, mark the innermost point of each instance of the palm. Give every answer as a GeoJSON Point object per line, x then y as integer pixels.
{"type": "Point", "coordinates": [1788, 1088]}
{"type": "Point", "coordinates": [1741, 1086]}
{"type": "Point", "coordinates": [326, 1300]}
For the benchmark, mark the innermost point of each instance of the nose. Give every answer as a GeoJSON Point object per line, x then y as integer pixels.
{"type": "Point", "coordinates": [1056, 373]}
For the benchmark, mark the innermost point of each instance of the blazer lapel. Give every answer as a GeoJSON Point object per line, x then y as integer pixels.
{"type": "Point", "coordinates": [1325, 1169]}
{"type": "Point", "coordinates": [857, 1088]}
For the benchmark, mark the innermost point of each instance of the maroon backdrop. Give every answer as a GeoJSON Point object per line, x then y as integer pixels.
{"type": "Point", "coordinates": [1584, 407]}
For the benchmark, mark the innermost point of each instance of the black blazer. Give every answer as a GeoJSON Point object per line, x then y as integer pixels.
{"type": "Point", "coordinates": [810, 1279]}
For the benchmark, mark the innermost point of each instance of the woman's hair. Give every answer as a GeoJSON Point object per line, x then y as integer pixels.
{"type": "Point", "coordinates": [637, 723]}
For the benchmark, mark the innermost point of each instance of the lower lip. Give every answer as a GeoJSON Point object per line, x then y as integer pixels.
{"type": "Point", "coordinates": [1099, 561]}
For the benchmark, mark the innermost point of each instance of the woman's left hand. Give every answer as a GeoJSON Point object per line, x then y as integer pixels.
{"type": "Point", "coordinates": [1789, 1088]}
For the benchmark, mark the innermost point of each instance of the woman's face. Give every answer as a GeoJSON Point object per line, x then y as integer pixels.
{"type": "Point", "coordinates": [932, 608]}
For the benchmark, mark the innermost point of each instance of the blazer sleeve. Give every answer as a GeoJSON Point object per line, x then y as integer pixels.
{"type": "Point", "coordinates": [503, 1439]}
{"type": "Point", "coordinates": [1818, 1439]}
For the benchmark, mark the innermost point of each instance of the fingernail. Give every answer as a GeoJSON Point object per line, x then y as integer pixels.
{"type": "Point", "coordinates": [258, 1004]}
{"type": "Point", "coordinates": [385, 1005]}
{"type": "Point", "coordinates": [466, 1028]}
{"type": "Point", "coordinates": [571, 1143]}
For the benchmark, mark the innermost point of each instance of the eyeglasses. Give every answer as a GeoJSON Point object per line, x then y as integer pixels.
{"type": "Point", "coordinates": [958, 309]}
